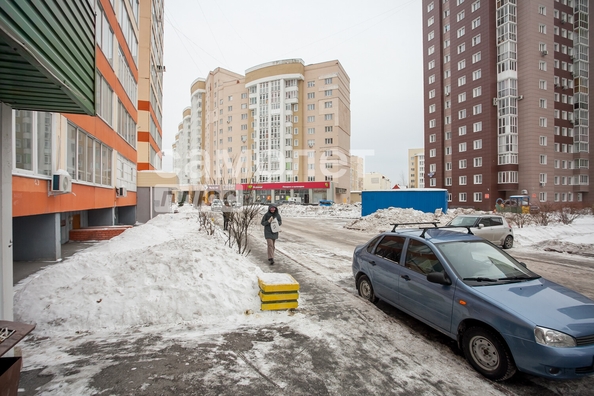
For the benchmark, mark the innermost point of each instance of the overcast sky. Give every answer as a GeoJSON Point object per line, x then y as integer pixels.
{"type": "Point", "coordinates": [378, 42]}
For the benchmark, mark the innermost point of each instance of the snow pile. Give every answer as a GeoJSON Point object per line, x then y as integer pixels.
{"type": "Point", "coordinates": [161, 272]}
{"type": "Point", "coordinates": [351, 211]}
{"type": "Point", "coordinates": [383, 219]}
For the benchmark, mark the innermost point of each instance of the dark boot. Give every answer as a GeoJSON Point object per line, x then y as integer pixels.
{"type": "Point", "coordinates": [271, 261]}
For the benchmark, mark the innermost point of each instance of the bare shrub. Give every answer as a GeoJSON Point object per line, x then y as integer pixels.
{"type": "Point", "coordinates": [206, 223]}
{"type": "Point", "coordinates": [240, 221]}
{"type": "Point", "coordinates": [546, 214]}
{"type": "Point", "coordinates": [520, 219]}
{"type": "Point", "coordinates": [569, 212]}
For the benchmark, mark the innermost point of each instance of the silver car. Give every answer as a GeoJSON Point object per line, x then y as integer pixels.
{"type": "Point", "coordinates": [216, 205]}
{"type": "Point", "coordinates": [491, 227]}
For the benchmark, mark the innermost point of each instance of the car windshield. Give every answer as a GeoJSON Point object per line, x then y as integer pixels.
{"type": "Point", "coordinates": [465, 221]}
{"type": "Point", "coordinates": [480, 263]}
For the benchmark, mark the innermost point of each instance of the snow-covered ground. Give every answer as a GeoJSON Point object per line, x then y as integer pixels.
{"type": "Point", "coordinates": [167, 273]}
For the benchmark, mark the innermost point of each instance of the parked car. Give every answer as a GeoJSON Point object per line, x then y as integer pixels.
{"type": "Point", "coordinates": [216, 205]}
{"type": "Point", "coordinates": [504, 317]}
{"type": "Point", "coordinates": [326, 202]}
{"type": "Point", "coordinates": [492, 227]}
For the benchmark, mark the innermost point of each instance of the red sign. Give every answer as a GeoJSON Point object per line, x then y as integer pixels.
{"type": "Point", "coordinates": [283, 186]}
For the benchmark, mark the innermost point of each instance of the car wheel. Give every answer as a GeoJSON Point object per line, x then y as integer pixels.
{"type": "Point", "coordinates": [365, 289]}
{"type": "Point", "coordinates": [488, 354]}
{"type": "Point", "coordinates": [508, 242]}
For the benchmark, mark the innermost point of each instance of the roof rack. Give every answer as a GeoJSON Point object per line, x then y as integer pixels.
{"type": "Point", "coordinates": [435, 227]}
{"type": "Point", "coordinates": [428, 222]}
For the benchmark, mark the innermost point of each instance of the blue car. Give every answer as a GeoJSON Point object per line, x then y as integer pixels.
{"type": "Point", "coordinates": [504, 317]}
{"type": "Point", "coordinates": [325, 202]}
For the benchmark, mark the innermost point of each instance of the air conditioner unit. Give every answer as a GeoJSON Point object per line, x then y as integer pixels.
{"type": "Point", "coordinates": [494, 101]}
{"type": "Point", "coordinates": [520, 97]}
{"type": "Point", "coordinates": [563, 20]}
{"type": "Point", "coordinates": [447, 94]}
{"type": "Point", "coordinates": [565, 87]}
{"type": "Point", "coordinates": [61, 182]}
{"type": "Point", "coordinates": [557, 85]}
{"type": "Point", "coordinates": [121, 191]}
{"type": "Point", "coordinates": [524, 192]}
{"type": "Point", "coordinates": [545, 52]}
{"type": "Point", "coordinates": [543, 184]}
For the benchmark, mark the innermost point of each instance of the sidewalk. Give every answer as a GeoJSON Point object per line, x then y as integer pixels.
{"type": "Point", "coordinates": [23, 269]}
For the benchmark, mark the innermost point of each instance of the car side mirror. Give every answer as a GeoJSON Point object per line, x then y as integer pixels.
{"type": "Point", "coordinates": [439, 277]}
{"type": "Point", "coordinates": [481, 226]}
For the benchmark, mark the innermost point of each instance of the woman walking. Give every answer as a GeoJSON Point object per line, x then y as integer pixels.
{"type": "Point", "coordinates": [270, 236]}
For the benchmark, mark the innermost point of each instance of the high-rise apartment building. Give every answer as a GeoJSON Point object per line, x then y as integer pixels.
{"type": "Point", "coordinates": [357, 173]}
{"type": "Point", "coordinates": [505, 115]}
{"type": "Point", "coordinates": [150, 85]}
{"type": "Point", "coordinates": [280, 131]}
{"type": "Point", "coordinates": [79, 170]}
{"type": "Point", "coordinates": [416, 168]}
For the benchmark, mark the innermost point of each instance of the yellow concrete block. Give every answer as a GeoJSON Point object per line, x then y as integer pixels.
{"type": "Point", "coordinates": [273, 306]}
{"type": "Point", "coordinates": [273, 282]}
{"type": "Point", "coordinates": [278, 296]}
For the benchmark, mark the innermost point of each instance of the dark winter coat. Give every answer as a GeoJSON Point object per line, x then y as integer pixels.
{"type": "Point", "coordinates": [268, 234]}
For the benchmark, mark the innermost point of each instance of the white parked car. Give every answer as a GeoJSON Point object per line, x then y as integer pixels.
{"type": "Point", "coordinates": [491, 227]}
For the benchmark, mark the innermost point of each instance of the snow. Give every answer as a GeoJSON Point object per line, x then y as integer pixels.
{"type": "Point", "coordinates": [167, 273]}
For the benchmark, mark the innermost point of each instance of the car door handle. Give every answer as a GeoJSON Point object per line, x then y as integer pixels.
{"type": "Point", "coordinates": [372, 262]}
{"type": "Point", "coordinates": [405, 277]}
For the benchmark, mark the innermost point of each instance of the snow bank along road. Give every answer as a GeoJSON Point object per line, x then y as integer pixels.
{"type": "Point", "coordinates": [323, 249]}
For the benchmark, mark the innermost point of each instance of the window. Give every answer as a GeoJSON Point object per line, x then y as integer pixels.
{"type": "Point", "coordinates": [432, 123]}
{"type": "Point", "coordinates": [328, 141]}
{"type": "Point", "coordinates": [311, 84]}
{"type": "Point", "coordinates": [432, 138]}
{"type": "Point", "coordinates": [542, 10]}
{"type": "Point", "coordinates": [542, 65]}
{"type": "Point", "coordinates": [462, 97]}
{"type": "Point", "coordinates": [432, 153]}
{"type": "Point", "coordinates": [476, 92]}
{"type": "Point", "coordinates": [448, 150]}
{"type": "Point", "coordinates": [103, 99]}
{"type": "Point", "coordinates": [328, 92]}
{"type": "Point", "coordinates": [462, 180]}
{"type": "Point", "coordinates": [432, 79]}
{"type": "Point", "coordinates": [432, 108]}
{"type": "Point", "coordinates": [461, 32]}
{"type": "Point", "coordinates": [542, 140]}
{"type": "Point", "coordinates": [460, 16]}
{"type": "Point", "coordinates": [477, 126]}
{"type": "Point", "coordinates": [478, 197]}
{"type": "Point", "coordinates": [543, 159]}
{"type": "Point", "coordinates": [542, 28]}
{"type": "Point", "coordinates": [478, 162]}
{"type": "Point", "coordinates": [311, 131]}
{"type": "Point", "coordinates": [462, 164]}
{"type": "Point", "coordinates": [476, 23]}
{"type": "Point", "coordinates": [476, 74]}
{"type": "Point", "coordinates": [476, 57]}
{"type": "Point", "coordinates": [430, 7]}
{"type": "Point", "coordinates": [32, 136]}
{"type": "Point", "coordinates": [542, 121]}
{"type": "Point", "coordinates": [462, 64]}
{"type": "Point", "coordinates": [430, 21]}
{"type": "Point", "coordinates": [448, 166]}
{"type": "Point", "coordinates": [461, 81]}
{"type": "Point", "coordinates": [327, 105]}
{"type": "Point", "coordinates": [462, 147]}
{"type": "Point", "coordinates": [311, 118]}
{"type": "Point", "coordinates": [90, 160]}
{"type": "Point", "coordinates": [431, 35]}
{"type": "Point", "coordinates": [311, 95]}
{"type": "Point", "coordinates": [542, 84]}
{"type": "Point", "coordinates": [328, 81]}
{"type": "Point", "coordinates": [461, 48]}
{"type": "Point", "coordinates": [431, 64]}
{"type": "Point", "coordinates": [476, 5]}
{"type": "Point", "coordinates": [311, 106]}
{"type": "Point", "coordinates": [104, 35]}
{"type": "Point", "coordinates": [462, 130]}
{"type": "Point", "coordinates": [328, 128]}
{"type": "Point", "coordinates": [448, 181]}
{"type": "Point", "coordinates": [476, 40]}
{"type": "Point", "coordinates": [477, 109]}
{"type": "Point", "coordinates": [462, 114]}
{"type": "Point", "coordinates": [431, 94]}
{"type": "Point", "coordinates": [431, 50]}
{"type": "Point", "coordinates": [328, 117]}
{"type": "Point", "coordinates": [542, 103]}
{"type": "Point", "coordinates": [478, 179]}
{"type": "Point", "coordinates": [478, 144]}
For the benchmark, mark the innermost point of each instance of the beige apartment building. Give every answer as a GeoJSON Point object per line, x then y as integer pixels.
{"type": "Point", "coordinates": [376, 181]}
{"type": "Point", "coordinates": [505, 116]}
{"type": "Point", "coordinates": [416, 170]}
{"type": "Point", "coordinates": [357, 173]}
{"type": "Point", "coordinates": [281, 131]}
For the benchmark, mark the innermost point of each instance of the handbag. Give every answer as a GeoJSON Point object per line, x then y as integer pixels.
{"type": "Point", "coordinates": [274, 226]}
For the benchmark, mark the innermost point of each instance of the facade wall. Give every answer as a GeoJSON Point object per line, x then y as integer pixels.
{"type": "Point", "coordinates": [499, 111]}
{"type": "Point", "coordinates": [416, 172]}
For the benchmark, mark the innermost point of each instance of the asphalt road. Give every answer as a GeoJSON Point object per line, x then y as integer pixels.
{"type": "Point", "coordinates": [339, 343]}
